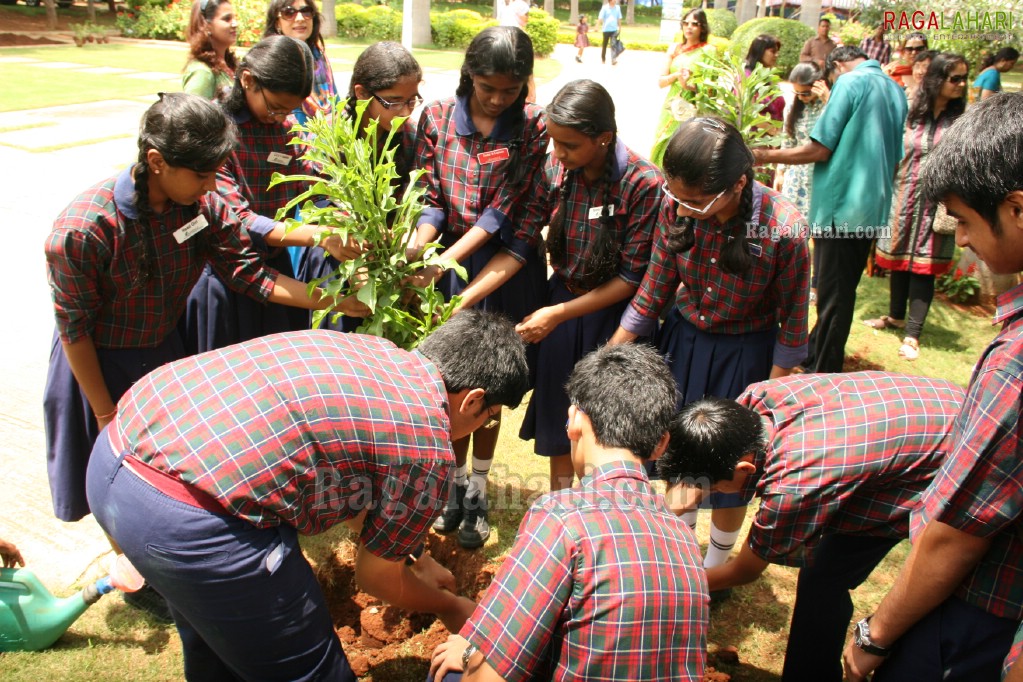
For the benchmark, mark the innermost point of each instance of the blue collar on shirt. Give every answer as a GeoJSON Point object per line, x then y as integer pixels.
{"type": "Point", "coordinates": [124, 194]}
{"type": "Point", "coordinates": [503, 126]}
{"type": "Point", "coordinates": [243, 116]}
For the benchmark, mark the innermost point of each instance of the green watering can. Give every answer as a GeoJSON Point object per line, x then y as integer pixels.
{"type": "Point", "coordinates": [32, 619]}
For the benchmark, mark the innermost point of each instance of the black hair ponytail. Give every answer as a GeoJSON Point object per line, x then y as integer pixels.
{"type": "Point", "coordinates": [278, 64]}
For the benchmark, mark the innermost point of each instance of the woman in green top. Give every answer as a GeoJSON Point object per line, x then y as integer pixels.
{"type": "Point", "coordinates": [212, 31]}
{"type": "Point", "coordinates": [681, 58]}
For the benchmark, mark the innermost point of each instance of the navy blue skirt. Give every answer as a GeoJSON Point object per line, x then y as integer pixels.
{"type": "Point", "coordinates": [217, 316]}
{"type": "Point", "coordinates": [707, 365]}
{"type": "Point", "coordinates": [70, 423]}
{"type": "Point", "coordinates": [556, 358]}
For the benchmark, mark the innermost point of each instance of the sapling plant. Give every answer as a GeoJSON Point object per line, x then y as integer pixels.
{"type": "Point", "coordinates": [355, 199]}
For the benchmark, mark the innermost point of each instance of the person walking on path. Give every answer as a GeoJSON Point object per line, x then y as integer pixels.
{"type": "Point", "coordinates": [610, 19]}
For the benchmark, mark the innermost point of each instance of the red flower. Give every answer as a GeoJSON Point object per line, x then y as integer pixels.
{"type": "Point", "coordinates": [972, 269]}
{"type": "Point", "coordinates": [959, 273]}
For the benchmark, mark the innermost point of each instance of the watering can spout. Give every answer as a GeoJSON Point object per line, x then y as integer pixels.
{"type": "Point", "coordinates": [32, 619]}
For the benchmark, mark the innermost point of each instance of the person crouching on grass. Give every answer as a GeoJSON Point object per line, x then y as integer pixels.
{"type": "Point", "coordinates": [603, 581]}
{"type": "Point", "coordinates": [838, 461]}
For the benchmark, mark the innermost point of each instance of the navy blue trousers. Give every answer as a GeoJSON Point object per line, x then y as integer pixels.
{"type": "Point", "coordinates": [244, 599]}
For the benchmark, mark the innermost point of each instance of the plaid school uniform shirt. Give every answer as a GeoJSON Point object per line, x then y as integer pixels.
{"type": "Point", "coordinates": [123, 279]}
{"type": "Point", "coordinates": [244, 180]}
{"type": "Point", "coordinates": [775, 290]}
{"type": "Point", "coordinates": [603, 583]}
{"type": "Point", "coordinates": [979, 490]}
{"type": "Point", "coordinates": [845, 453]}
{"type": "Point", "coordinates": [467, 173]}
{"type": "Point", "coordinates": [306, 429]}
{"type": "Point", "coordinates": [635, 194]}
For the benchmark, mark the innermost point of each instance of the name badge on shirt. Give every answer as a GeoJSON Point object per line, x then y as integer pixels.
{"type": "Point", "coordinates": [190, 229]}
{"type": "Point", "coordinates": [279, 158]}
{"type": "Point", "coordinates": [756, 250]}
{"type": "Point", "coordinates": [487, 158]}
{"type": "Point", "coordinates": [595, 211]}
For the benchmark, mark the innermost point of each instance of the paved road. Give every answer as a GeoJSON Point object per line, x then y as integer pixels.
{"type": "Point", "coordinates": [37, 185]}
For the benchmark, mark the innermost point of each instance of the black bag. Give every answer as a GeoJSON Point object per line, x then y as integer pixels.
{"type": "Point", "coordinates": [616, 46]}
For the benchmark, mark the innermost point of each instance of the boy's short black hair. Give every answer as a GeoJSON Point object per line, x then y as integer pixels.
{"type": "Point", "coordinates": [980, 157]}
{"type": "Point", "coordinates": [628, 393]}
{"type": "Point", "coordinates": [708, 438]}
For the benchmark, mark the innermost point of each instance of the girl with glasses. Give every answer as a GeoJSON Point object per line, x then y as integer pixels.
{"type": "Point", "coordinates": [299, 19]}
{"type": "Point", "coordinates": [273, 79]}
{"type": "Point", "coordinates": [388, 76]}
{"type": "Point", "coordinates": [483, 151]}
{"type": "Point", "coordinates": [901, 69]}
{"type": "Point", "coordinates": [690, 44]}
{"type": "Point", "coordinates": [730, 259]}
{"type": "Point", "coordinates": [913, 252]}
{"type": "Point", "coordinates": [212, 32]}
{"type": "Point", "coordinates": [603, 201]}
{"type": "Point", "coordinates": [120, 261]}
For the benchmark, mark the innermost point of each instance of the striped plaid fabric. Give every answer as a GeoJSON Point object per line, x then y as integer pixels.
{"type": "Point", "coordinates": [244, 180]}
{"type": "Point", "coordinates": [636, 196]}
{"type": "Point", "coordinates": [846, 453]}
{"type": "Point", "coordinates": [604, 579]}
{"type": "Point", "coordinates": [123, 280]}
{"type": "Point", "coordinates": [979, 490]}
{"type": "Point", "coordinates": [1014, 652]}
{"type": "Point", "coordinates": [877, 49]}
{"type": "Point", "coordinates": [775, 290]}
{"type": "Point", "coordinates": [304, 428]}
{"type": "Point", "coordinates": [466, 178]}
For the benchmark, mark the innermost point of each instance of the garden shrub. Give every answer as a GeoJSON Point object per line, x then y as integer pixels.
{"type": "Point", "coordinates": [383, 23]}
{"type": "Point", "coordinates": [543, 30]}
{"type": "Point", "coordinates": [351, 20]}
{"type": "Point", "coordinates": [722, 22]}
{"type": "Point", "coordinates": [790, 32]}
{"type": "Point", "coordinates": [168, 22]}
{"type": "Point", "coordinates": [853, 33]}
{"type": "Point", "coordinates": [457, 28]}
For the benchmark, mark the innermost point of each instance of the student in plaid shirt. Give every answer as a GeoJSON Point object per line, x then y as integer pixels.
{"type": "Point", "coordinates": [234, 453]}
{"type": "Point", "coordinates": [958, 600]}
{"type": "Point", "coordinates": [731, 255]}
{"type": "Point", "coordinates": [483, 151]}
{"type": "Point", "coordinates": [838, 461]}
{"type": "Point", "coordinates": [603, 582]}
{"type": "Point", "coordinates": [604, 200]}
{"type": "Point", "coordinates": [120, 262]}
{"type": "Point", "coordinates": [274, 78]}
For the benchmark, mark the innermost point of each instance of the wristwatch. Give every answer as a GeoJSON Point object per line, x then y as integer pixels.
{"type": "Point", "coordinates": [861, 638]}
{"type": "Point", "coordinates": [467, 654]}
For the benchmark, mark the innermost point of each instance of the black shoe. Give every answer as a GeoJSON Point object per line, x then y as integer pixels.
{"type": "Point", "coordinates": [475, 529]}
{"type": "Point", "coordinates": [454, 510]}
{"type": "Point", "coordinates": [719, 596]}
{"type": "Point", "coordinates": [579, 59]}
{"type": "Point", "coordinates": [149, 600]}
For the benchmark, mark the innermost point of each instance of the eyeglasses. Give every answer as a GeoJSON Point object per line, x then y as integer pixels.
{"type": "Point", "coordinates": [399, 104]}
{"type": "Point", "coordinates": [803, 93]}
{"type": "Point", "coordinates": [493, 420]}
{"type": "Point", "coordinates": [270, 113]}
{"type": "Point", "coordinates": [913, 48]}
{"type": "Point", "coordinates": [694, 209]}
{"type": "Point", "coordinates": [290, 12]}
{"type": "Point", "coordinates": [957, 80]}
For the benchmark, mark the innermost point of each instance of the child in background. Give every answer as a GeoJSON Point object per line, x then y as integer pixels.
{"type": "Point", "coordinates": [274, 78]}
{"type": "Point", "coordinates": [740, 300]}
{"type": "Point", "coordinates": [603, 200]}
{"type": "Point", "coordinates": [484, 151]}
{"type": "Point", "coordinates": [582, 40]}
{"type": "Point", "coordinates": [212, 31]}
{"type": "Point", "coordinates": [120, 261]}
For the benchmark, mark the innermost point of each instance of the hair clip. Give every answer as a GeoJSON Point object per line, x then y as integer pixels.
{"type": "Point", "coordinates": [203, 4]}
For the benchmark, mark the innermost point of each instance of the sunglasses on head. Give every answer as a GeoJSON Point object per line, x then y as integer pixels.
{"type": "Point", "coordinates": [290, 12]}
{"type": "Point", "coordinates": [957, 80]}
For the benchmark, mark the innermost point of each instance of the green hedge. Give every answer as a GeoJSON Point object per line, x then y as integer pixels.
{"type": "Point", "coordinates": [853, 33]}
{"type": "Point", "coordinates": [456, 28]}
{"type": "Point", "coordinates": [790, 32]}
{"type": "Point", "coordinates": [168, 22]}
{"type": "Point", "coordinates": [383, 23]}
{"type": "Point", "coordinates": [722, 22]}
{"type": "Point", "coordinates": [543, 30]}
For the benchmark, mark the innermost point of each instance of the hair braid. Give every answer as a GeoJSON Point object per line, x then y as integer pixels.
{"type": "Point", "coordinates": [602, 263]}
{"type": "Point", "coordinates": [556, 240]}
{"type": "Point", "coordinates": [735, 256]}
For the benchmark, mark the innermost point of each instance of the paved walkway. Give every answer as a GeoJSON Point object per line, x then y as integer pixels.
{"type": "Point", "coordinates": [38, 184]}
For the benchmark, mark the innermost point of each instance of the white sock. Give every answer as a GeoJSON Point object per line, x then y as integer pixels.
{"type": "Point", "coordinates": [460, 474]}
{"type": "Point", "coordinates": [478, 480]}
{"type": "Point", "coordinates": [721, 544]}
{"type": "Point", "coordinates": [690, 518]}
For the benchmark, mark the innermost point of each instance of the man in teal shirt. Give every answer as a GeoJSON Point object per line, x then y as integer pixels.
{"type": "Point", "coordinates": [855, 147]}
